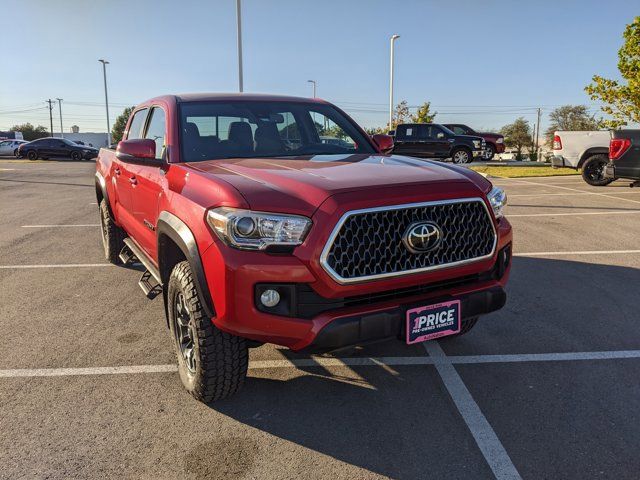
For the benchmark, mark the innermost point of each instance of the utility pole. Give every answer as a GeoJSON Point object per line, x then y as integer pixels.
{"type": "Point", "coordinates": [239, 20]}
{"type": "Point", "coordinates": [314, 87]}
{"type": "Point", "coordinates": [106, 98]}
{"type": "Point", "coordinates": [393, 39]}
{"type": "Point", "coordinates": [50, 114]}
{"type": "Point", "coordinates": [538, 133]}
{"type": "Point", "coordinates": [60, 110]}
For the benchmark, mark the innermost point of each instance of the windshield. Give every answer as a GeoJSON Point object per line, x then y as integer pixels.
{"type": "Point", "coordinates": [243, 129]}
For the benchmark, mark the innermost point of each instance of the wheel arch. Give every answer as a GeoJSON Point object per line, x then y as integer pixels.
{"type": "Point", "coordinates": [176, 243]}
{"type": "Point", "coordinates": [101, 192]}
{"type": "Point", "coordinates": [590, 152]}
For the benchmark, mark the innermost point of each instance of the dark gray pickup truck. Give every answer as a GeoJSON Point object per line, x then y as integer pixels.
{"type": "Point", "coordinates": [624, 156]}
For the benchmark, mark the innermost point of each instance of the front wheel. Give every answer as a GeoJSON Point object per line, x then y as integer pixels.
{"type": "Point", "coordinates": [16, 154]}
{"type": "Point", "coordinates": [461, 156]}
{"type": "Point", "coordinates": [593, 171]}
{"type": "Point", "coordinates": [212, 364]}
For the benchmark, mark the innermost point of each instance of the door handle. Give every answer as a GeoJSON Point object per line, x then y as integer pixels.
{"type": "Point", "coordinates": [116, 171]}
{"type": "Point", "coordinates": [133, 181]}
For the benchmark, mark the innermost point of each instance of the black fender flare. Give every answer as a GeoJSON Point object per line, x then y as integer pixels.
{"type": "Point", "coordinates": [178, 231]}
{"type": "Point", "coordinates": [102, 185]}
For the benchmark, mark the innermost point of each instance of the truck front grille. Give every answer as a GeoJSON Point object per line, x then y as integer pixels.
{"type": "Point", "coordinates": [368, 244]}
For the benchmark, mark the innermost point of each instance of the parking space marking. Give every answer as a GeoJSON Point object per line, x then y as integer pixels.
{"type": "Point", "coordinates": [492, 449]}
{"type": "Point", "coordinates": [337, 362]}
{"type": "Point", "coordinates": [580, 252]}
{"type": "Point", "coordinates": [61, 226]}
{"type": "Point", "coordinates": [572, 214]}
{"type": "Point", "coordinates": [524, 182]}
{"type": "Point", "coordinates": [567, 194]}
{"type": "Point", "coordinates": [59, 265]}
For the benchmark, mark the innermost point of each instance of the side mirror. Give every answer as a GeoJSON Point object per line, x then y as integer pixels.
{"type": "Point", "coordinates": [139, 150]}
{"type": "Point", "coordinates": [384, 142]}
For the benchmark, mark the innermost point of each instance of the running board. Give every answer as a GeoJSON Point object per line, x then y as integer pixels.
{"type": "Point", "coordinates": [150, 282]}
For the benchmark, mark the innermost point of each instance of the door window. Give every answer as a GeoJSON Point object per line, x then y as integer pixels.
{"type": "Point", "coordinates": [156, 131]}
{"type": "Point", "coordinates": [135, 129]}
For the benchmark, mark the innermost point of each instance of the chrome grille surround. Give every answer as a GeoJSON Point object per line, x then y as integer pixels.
{"type": "Point", "coordinates": [395, 251]}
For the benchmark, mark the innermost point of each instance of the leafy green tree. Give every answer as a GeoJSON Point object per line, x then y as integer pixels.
{"type": "Point", "coordinates": [424, 115]}
{"type": "Point", "coordinates": [121, 122]}
{"type": "Point", "coordinates": [29, 132]}
{"type": "Point", "coordinates": [400, 114]}
{"type": "Point", "coordinates": [517, 135]}
{"type": "Point", "coordinates": [622, 100]}
{"type": "Point", "coordinates": [570, 117]}
{"type": "Point", "coordinates": [375, 130]}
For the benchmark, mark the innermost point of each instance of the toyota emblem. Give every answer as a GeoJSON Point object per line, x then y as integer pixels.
{"type": "Point", "coordinates": [422, 237]}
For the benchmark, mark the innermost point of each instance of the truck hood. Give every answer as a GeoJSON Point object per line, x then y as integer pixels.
{"type": "Point", "coordinates": [301, 184]}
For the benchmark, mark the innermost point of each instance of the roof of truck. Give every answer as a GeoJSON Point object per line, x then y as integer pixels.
{"type": "Point", "coordinates": [210, 97]}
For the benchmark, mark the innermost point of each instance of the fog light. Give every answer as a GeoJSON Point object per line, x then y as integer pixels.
{"type": "Point", "coordinates": [270, 298]}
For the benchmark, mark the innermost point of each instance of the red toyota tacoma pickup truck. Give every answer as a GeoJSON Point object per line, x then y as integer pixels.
{"type": "Point", "coordinates": [255, 230]}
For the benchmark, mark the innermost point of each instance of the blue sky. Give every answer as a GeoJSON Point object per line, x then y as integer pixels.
{"type": "Point", "coordinates": [480, 63]}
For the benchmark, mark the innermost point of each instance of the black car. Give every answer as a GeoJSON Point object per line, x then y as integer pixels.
{"type": "Point", "coordinates": [431, 140]}
{"type": "Point", "coordinates": [624, 156]}
{"type": "Point", "coordinates": [56, 147]}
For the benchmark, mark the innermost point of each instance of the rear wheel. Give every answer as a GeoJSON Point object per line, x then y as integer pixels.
{"type": "Point", "coordinates": [489, 152]}
{"type": "Point", "coordinates": [461, 155]}
{"type": "Point", "coordinates": [32, 155]}
{"type": "Point", "coordinates": [593, 170]}
{"type": "Point", "coordinates": [212, 364]}
{"type": "Point", "coordinates": [112, 235]}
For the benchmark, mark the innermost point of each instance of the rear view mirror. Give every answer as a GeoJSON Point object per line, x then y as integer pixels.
{"type": "Point", "coordinates": [139, 150]}
{"type": "Point", "coordinates": [384, 142]}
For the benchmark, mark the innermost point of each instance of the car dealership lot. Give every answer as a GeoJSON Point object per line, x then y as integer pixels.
{"type": "Point", "coordinates": [545, 388]}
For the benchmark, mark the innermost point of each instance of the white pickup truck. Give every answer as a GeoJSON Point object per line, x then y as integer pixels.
{"type": "Point", "coordinates": [586, 150]}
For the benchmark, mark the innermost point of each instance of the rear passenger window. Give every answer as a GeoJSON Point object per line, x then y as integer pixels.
{"type": "Point", "coordinates": [156, 131]}
{"type": "Point", "coordinates": [135, 129]}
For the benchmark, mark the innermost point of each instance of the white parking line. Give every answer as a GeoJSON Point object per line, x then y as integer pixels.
{"type": "Point", "coordinates": [583, 252]}
{"type": "Point", "coordinates": [336, 362]}
{"type": "Point", "coordinates": [572, 214]}
{"type": "Point", "coordinates": [637, 192]}
{"type": "Point", "coordinates": [492, 449]}
{"type": "Point", "coordinates": [60, 265]}
{"type": "Point", "coordinates": [62, 226]}
{"type": "Point", "coordinates": [524, 182]}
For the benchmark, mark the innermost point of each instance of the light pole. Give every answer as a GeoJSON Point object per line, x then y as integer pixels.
{"type": "Point", "coordinates": [60, 110]}
{"type": "Point", "coordinates": [393, 39]}
{"type": "Point", "coordinates": [239, 19]}
{"type": "Point", "coordinates": [314, 87]}
{"type": "Point", "coordinates": [106, 98]}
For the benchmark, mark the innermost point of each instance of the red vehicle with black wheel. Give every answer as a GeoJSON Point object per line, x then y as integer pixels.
{"type": "Point", "coordinates": [254, 230]}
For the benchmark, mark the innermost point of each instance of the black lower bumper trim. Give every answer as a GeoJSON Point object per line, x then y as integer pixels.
{"type": "Point", "coordinates": [363, 329]}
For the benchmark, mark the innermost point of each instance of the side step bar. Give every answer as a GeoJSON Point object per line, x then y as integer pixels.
{"type": "Point", "coordinates": [150, 282]}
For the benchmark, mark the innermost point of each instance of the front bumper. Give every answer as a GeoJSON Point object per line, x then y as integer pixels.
{"type": "Point", "coordinates": [233, 278]}
{"type": "Point", "coordinates": [478, 153]}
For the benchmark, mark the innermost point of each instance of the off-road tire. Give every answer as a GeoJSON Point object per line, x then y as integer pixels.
{"type": "Point", "coordinates": [76, 156]}
{"type": "Point", "coordinates": [458, 150]}
{"type": "Point", "coordinates": [221, 359]}
{"type": "Point", "coordinates": [32, 155]}
{"type": "Point", "coordinates": [590, 169]}
{"type": "Point", "coordinates": [112, 235]}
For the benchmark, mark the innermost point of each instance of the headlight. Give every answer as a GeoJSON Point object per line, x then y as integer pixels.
{"type": "Point", "coordinates": [498, 200]}
{"type": "Point", "coordinates": [500, 140]}
{"type": "Point", "coordinates": [477, 143]}
{"type": "Point", "coordinates": [249, 230]}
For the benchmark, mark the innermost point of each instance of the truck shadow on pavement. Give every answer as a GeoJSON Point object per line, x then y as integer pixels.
{"type": "Point", "coordinates": [400, 421]}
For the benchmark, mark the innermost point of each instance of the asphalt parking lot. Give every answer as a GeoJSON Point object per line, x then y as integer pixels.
{"type": "Point", "coordinates": [546, 388]}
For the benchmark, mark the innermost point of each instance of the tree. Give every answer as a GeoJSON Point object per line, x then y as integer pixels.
{"type": "Point", "coordinates": [423, 115]}
{"type": "Point", "coordinates": [121, 122]}
{"type": "Point", "coordinates": [570, 117]}
{"type": "Point", "coordinates": [517, 135]}
{"type": "Point", "coordinates": [400, 114]}
{"type": "Point", "coordinates": [29, 132]}
{"type": "Point", "coordinates": [622, 100]}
